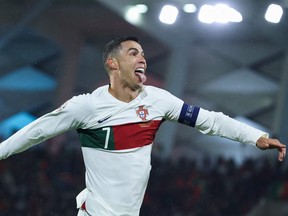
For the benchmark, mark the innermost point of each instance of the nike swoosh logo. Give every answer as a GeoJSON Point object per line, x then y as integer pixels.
{"type": "Point", "coordinates": [104, 119]}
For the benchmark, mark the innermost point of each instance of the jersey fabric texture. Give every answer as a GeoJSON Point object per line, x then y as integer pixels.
{"type": "Point", "coordinates": [116, 141]}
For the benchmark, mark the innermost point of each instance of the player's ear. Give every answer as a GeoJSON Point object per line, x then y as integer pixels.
{"type": "Point", "coordinates": [112, 63]}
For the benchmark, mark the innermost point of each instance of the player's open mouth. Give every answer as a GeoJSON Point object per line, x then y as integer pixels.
{"type": "Point", "coordinates": [140, 72]}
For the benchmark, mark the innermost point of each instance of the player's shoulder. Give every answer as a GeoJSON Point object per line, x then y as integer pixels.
{"type": "Point", "coordinates": [80, 98]}
{"type": "Point", "coordinates": [162, 99]}
{"type": "Point", "coordinates": [100, 91]}
{"type": "Point", "coordinates": [90, 96]}
{"type": "Point", "coordinates": [81, 104]}
{"type": "Point", "coordinates": [149, 88]}
{"type": "Point", "coordinates": [82, 101]}
{"type": "Point", "coordinates": [156, 91]}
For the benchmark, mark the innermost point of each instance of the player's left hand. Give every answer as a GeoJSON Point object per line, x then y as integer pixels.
{"type": "Point", "coordinates": [268, 143]}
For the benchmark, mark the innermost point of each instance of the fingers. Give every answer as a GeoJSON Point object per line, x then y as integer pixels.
{"type": "Point", "coordinates": [282, 153]}
{"type": "Point", "coordinates": [281, 148]}
{"type": "Point", "coordinates": [268, 143]}
{"type": "Point", "coordinates": [274, 143]}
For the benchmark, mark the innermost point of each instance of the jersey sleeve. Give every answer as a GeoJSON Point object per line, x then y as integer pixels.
{"type": "Point", "coordinates": [172, 106]}
{"type": "Point", "coordinates": [209, 122]}
{"type": "Point", "coordinates": [218, 124]}
{"type": "Point", "coordinates": [69, 116]}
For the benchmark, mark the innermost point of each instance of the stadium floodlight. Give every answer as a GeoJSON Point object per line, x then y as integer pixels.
{"type": "Point", "coordinates": [235, 16]}
{"type": "Point", "coordinates": [141, 8]}
{"type": "Point", "coordinates": [189, 8]}
{"type": "Point", "coordinates": [220, 13]}
{"type": "Point", "coordinates": [168, 14]}
{"type": "Point", "coordinates": [133, 13]}
{"type": "Point", "coordinates": [274, 13]}
{"type": "Point", "coordinates": [206, 14]}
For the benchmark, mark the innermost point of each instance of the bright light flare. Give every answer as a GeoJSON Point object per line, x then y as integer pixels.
{"type": "Point", "coordinates": [133, 13]}
{"type": "Point", "coordinates": [206, 14]}
{"type": "Point", "coordinates": [168, 14]}
{"type": "Point", "coordinates": [189, 8]}
{"type": "Point", "coordinates": [220, 13]}
{"type": "Point", "coordinates": [274, 13]}
{"type": "Point", "coordinates": [141, 8]}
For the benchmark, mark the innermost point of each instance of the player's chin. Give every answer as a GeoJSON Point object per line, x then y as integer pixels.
{"type": "Point", "coordinates": [137, 86]}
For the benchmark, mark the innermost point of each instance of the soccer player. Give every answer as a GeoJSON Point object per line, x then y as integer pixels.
{"type": "Point", "coordinates": [117, 124]}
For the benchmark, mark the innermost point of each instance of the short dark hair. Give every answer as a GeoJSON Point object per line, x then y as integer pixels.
{"type": "Point", "coordinates": [115, 45]}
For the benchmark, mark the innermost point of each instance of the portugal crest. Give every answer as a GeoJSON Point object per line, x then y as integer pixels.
{"type": "Point", "coordinates": [142, 112]}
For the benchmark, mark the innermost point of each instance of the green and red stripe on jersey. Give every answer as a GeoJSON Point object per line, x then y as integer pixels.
{"type": "Point", "coordinates": [120, 137]}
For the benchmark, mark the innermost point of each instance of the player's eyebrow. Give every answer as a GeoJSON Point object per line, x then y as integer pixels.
{"type": "Point", "coordinates": [135, 49]}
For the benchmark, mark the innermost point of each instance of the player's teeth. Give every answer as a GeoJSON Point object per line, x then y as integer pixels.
{"type": "Point", "coordinates": [140, 70]}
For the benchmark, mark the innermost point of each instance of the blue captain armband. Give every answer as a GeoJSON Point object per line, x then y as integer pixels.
{"type": "Point", "coordinates": [188, 115]}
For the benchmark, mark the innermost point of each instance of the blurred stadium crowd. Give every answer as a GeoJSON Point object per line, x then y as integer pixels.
{"type": "Point", "coordinates": [45, 180]}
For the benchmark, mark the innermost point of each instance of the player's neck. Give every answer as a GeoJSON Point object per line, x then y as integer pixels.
{"type": "Point", "coordinates": [123, 94]}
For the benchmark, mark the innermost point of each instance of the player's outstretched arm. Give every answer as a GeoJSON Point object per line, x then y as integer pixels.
{"type": "Point", "coordinates": [66, 117]}
{"type": "Point", "coordinates": [269, 143]}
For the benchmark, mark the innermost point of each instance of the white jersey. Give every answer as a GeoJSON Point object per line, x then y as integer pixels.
{"type": "Point", "coordinates": [116, 141]}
